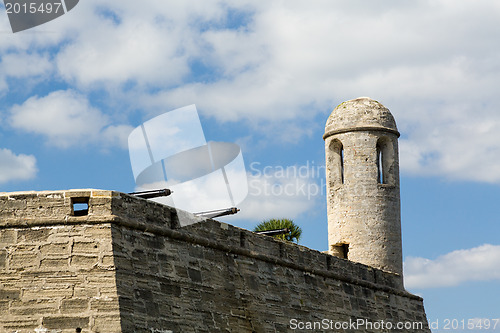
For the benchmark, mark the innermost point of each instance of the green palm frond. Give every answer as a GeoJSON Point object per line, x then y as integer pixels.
{"type": "Point", "coordinates": [272, 224]}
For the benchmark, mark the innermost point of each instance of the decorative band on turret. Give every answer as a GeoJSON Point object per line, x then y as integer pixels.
{"type": "Point", "coordinates": [357, 129]}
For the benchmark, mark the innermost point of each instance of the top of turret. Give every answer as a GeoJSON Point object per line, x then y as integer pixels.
{"type": "Point", "coordinates": [362, 113]}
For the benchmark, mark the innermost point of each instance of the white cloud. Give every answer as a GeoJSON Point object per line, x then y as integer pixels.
{"type": "Point", "coordinates": [115, 135]}
{"type": "Point", "coordinates": [477, 264]}
{"type": "Point", "coordinates": [463, 146]}
{"type": "Point", "coordinates": [289, 62]}
{"type": "Point", "coordinates": [3, 84]}
{"type": "Point", "coordinates": [134, 50]}
{"type": "Point", "coordinates": [295, 55]}
{"type": "Point", "coordinates": [16, 167]}
{"type": "Point", "coordinates": [292, 62]}
{"type": "Point", "coordinates": [114, 43]}
{"type": "Point", "coordinates": [23, 65]}
{"type": "Point", "coordinates": [66, 118]}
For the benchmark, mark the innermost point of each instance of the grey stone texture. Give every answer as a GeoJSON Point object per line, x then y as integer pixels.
{"type": "Point", "coordinates": [362, 171]}
{"type": "Point", "coordinates": [126, 265]}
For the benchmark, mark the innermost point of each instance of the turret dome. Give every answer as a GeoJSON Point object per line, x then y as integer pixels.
{"type": "Point", "coordinates": [362, 113]}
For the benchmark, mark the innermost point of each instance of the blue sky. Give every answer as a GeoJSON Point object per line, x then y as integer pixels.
{"type": "Point", "coordinates": [266, 75]}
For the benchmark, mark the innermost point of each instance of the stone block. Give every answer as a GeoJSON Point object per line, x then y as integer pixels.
{"type": "Point", "coordinates": [98, 232]}
{"type": "Point", "coordinates": [24, 260]}
{"type": "Point", "coordinates": [34, 307]}
{"type": "Point", "coordinates": [65, 322]}
{"type": "Point", "coordinates": [104, 304]}
{"type": "Point", "coordinates": [85, 247]}
{"type": "Point", "coordinates": [74, 305]}
{"type": "Point", "coordinates": [55, 249]}
{"type": "Point", "coordinates": [9, 294]}
{"type": "Point", "coordinates": [54, 264]}
{"type": "Point", "coordinates": [107, 260]}
{"type": "Point", "coordinates": [82, 262]}
{"type": "Point", "coordinates": [37, 293]}
{"type": "Point", "coordinates": [86, 291]}
{"type": "Point", "coordinates": [63, 278]}
{"type": "Point", "coordinates": [194, 275]}
{"type": "Point", "coordinates": [33, 235]}
{"type": "Point", "coordinates": [107, 291]}
{"type": "Point", "coordinates": [4, 306]}
{"type": "Point", "coordinates": [18, 324]}
{"type": "Point", "coordinates": [7, 237]}
{"type": "Point", "coordinates": [108, 324]}
{"type": "Point", "coordinates": [3, 259]}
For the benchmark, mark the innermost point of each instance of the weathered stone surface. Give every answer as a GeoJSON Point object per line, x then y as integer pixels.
{"type": "Point", "coordinates": [50, 266]}
{"type": "Point", "coordinates": [130, 268]}
{"type": "Point", "coordinates": [65, 322]}
{"type": "Point", "coordinates": [358, 113]}
{"type": "Point", "coordinates": [74, 305]}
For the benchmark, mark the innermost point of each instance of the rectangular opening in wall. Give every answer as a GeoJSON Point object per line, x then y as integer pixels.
{"type": "Point", "coordinates": [340, 250]}
{"type": "Point", "coordinates": [345, 250]}
{"type": "Point", "coordinates": [80, 206]}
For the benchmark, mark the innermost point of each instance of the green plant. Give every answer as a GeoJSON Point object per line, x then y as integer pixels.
{"type": "Point", "coordinates": [294, 230]}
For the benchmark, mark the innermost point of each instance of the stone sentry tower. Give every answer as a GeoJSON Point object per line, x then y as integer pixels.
{"type": "Point", "coordinates": [362, 171]}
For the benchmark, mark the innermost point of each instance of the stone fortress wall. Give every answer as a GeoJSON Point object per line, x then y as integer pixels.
{"type": "Point", "coordinates": [125, 265]}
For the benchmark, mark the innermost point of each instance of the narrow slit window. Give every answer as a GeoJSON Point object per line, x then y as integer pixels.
{"type": "Point", "coordinates": [341, 155]}
{"type": "Point", "coordinates": [385, 161]}
{"type": "Point", "coordinates": [345, 250]}
{"type": "Point", "coordinates": [380, 165]}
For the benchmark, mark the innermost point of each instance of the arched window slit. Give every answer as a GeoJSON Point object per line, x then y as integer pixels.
{"type": "Point", "coordinates": [336, 151]}
{"type": "Point", "coordinates": [380, 165]}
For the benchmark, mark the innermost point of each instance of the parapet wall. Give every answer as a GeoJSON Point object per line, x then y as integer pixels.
{"type": "Point", "coordinates": [125, 265]}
